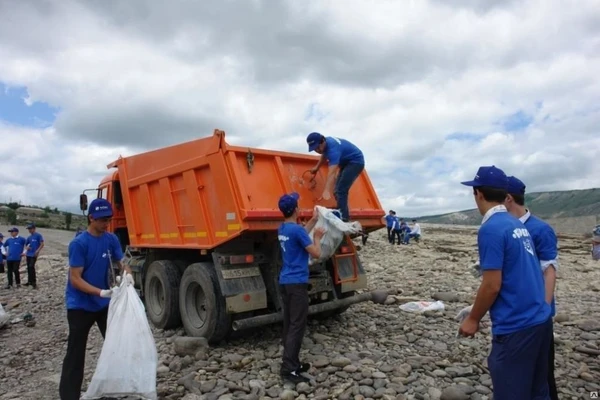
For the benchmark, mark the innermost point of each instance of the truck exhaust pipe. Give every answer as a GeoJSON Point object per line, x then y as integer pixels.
{"type": "Point", "coordinates": [377, 296]}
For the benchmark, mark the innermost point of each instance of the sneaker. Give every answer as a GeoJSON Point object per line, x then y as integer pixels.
{"type": "Point", "coordinates": [27, 284]}
{"type": "Point", "coordinates": [294, 377]}
{"type": "Point", "coordinates": [304, 367]}
{"type": "Point", "coordinates": [7, 287]}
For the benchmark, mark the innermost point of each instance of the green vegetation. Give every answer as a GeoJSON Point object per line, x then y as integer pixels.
{"type": "Point", "coordinates": [546, 205]}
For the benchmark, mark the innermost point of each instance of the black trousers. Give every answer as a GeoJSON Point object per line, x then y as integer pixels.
{"type": "Point", "coordinates": [396, 233]}
{"type": "Point", "coordinates": [390, 233]}
{"type": "Point", "coordinates": [551, 378]}
{"type": "Point", "coordinates": [80, 322]}
{"type": "Point", "coordinates": [31, 270]}
{"type": "Point", "coordinates": [295, 315]}
{"type": "Point", "coordinates": [12, 267]}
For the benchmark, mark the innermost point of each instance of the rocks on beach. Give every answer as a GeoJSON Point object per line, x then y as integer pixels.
{"type": "Point", "coordinates": [372, 351]}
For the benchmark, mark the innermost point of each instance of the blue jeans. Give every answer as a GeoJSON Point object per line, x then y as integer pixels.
{"type": "Point", "coordinates": [407, 236]}
{"type": "Point", "coordinates": [518, 363]}
{"type": "Point", "coordinates": [346, 178]}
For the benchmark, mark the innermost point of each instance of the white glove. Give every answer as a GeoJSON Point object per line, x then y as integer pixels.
{"type": "Point", "coordinates": [464, 313]}
{"type": "Point", "coordinates": [106, 293]}
{"type": "Point", "coordinates": [129, 279]}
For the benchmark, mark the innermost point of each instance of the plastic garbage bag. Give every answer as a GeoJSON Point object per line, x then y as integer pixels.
{"type": "Point", "coordinates": [128, 361]}
{"type": "Point", "coordinates": [335, 229]}
{"type": "Point", "coordinates": [4, 317]}
{"type": "Point", "coordinates": [422, 306]}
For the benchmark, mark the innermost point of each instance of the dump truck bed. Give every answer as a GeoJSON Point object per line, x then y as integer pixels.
{"type": "Point", "coordinates": [202, 193]}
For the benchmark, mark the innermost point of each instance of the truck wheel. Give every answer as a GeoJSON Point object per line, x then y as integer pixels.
{"type": "Point", "coordinates": [161, 294]}
{"type": "Point", "coordinates": [202, 305]}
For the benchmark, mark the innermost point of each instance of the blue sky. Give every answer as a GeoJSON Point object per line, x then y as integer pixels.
{"type": "Point", "coordinates": [15, 111]}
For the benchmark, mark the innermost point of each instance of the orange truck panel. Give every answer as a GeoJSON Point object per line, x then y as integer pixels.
{"type": "Point", "coordinates": [203, 193]}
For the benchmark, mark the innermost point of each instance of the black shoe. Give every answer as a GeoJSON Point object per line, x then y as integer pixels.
{"type": "Point", "coordinates": [304, 367]}
{"type": "Point", "coordinates": [27, 284]}
{"type": "Point", "coordinates": [34, 285]}
{"type": "Point", "coordinates": [294, 377]}
{"type": "Point", "coordinates": [7, 287]}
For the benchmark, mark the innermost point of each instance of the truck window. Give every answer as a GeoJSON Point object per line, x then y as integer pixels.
{"type": "Point", "coordinates": [103, 193]}
{"type": "Point", "coordinates": [118, 195]}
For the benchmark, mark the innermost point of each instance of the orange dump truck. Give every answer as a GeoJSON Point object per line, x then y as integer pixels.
{"type": "Point", "coordinates": [199, 220]}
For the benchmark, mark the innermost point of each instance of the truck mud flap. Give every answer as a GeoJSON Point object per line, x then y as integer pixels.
{"type": "Point", "coordinates": [346, 273]}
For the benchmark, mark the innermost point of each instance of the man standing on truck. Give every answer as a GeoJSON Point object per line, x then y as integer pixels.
{"type": "Point", "coordinates": [88, 291]}
{"type": "Point", "coordinates": [345, 161]}
{"type": "Point", "coordinates": [546, 248]}
{"type": "Point", "coordinates": [512, 289]}
{"type": "Point", "coordinates": [35, 243]}
{"type": "Point", "coordinates": [296, 246]}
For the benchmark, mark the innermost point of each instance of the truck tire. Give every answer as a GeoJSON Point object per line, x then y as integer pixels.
{"type": "Point", "coordinates": [161, 294]}
{"type": "Point", "coordinates": [202, 305]}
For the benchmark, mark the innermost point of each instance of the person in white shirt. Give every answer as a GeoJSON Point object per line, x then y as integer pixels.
{"type": "Point", "coordinates": [415, 232]}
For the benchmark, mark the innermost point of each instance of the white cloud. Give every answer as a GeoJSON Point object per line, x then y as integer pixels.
{"type": "Point", "coordinates": [396, 78]}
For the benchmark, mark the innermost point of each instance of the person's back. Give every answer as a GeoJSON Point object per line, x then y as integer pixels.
{"type": "Point", "coordinates": [293, 239]}
{"type": "Point", "coordinates": [506, 243]}
{"type": "Point", "coordinates": [342, 152]}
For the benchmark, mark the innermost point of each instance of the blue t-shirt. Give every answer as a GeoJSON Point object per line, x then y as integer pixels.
{"type": "Point", "coordinates": [34, 241]}
{"type": "Point", "coordinates": [341, 152]}
{"type": "Point", "coordinates": [545, 242]}
{"type": "Point", "coordinates": [389, 220]}
{"type": "Point", "coordinates": [505, 244]}
{"type": "Point", "coordinates": [91, 253]}
{"type": "Point", "coordinates": [293, 239]}
{"type": "Point", "coordinates": [14, 246]}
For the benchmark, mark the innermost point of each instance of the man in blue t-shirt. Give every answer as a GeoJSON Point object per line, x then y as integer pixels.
{"type": "Point", "coordinates": [2, 254]}
{"type": "Point", "coordinates": [88, 292]}
{"type": "Point", "coordinates": [512, 289]}
{"type": "Point", "coordinates": [390, 221]}
{"type": "Point", "coordinates": [345, 163]}
{"type": "Point", "coordinates": [15, 250]}
{"type": "Point", "coordinates": [546, 249]}
{"type": "Point", "coordinates": [296, 246]}
{"type": "Point", "coordinates": [34, 243]}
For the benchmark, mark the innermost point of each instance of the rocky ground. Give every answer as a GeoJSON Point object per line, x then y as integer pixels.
{"type": "Point", "coordinates": [370, 351]}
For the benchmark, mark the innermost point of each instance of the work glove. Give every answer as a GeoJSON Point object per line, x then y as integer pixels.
{"type": "Point", "coordinates": [462, 314]}
{"type": "Point", "coordinates": [106, 293]}
{"type": "Point", "coordinates": [129, 279]}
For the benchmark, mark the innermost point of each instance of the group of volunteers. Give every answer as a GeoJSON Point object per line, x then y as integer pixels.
{"type": "Point", "coordinates": [518, 255]}
{"type": "Point", "coordinates": [518, 260]}
{"type": "Point", "coordinates": [398, 228]}
{"type": "Point", "coordinates": [16, 248]}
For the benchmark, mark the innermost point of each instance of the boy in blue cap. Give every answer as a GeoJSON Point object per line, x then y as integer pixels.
{"type": "Point", "coordinates": [34, 244]}
{"type": "Point", "coordinates": [15, 250]}
{"type": "Point", "coordinates": [2, 254]}
{"type": "Point", "coordinates": [88, 291]}
{"type": "Point", "coordinates": [346, 162]}
{"type": "Point", "coordinates": [546, 249]}
{"type": "Point", "coordinates": [296, 246]}
{"type": "Point", "coordinates": [512, 289]}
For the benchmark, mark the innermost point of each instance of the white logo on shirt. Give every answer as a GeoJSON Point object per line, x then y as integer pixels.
{"type": "Point", "coordinates": [519, 233]}
{"type": "Point", "coordinates": [282, 240]}
{"type": "Point", "coordinates": [104, 255]}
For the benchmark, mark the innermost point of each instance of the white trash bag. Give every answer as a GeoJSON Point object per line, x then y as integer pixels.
{"type": "Point", "coordinates": [128, 361]}
{"type": "Point", "coordinates": [4, 317]}
{"type": "Point", "coordinates": [335, 229]}
{"type": "Point", "coordinates": [422, 306]}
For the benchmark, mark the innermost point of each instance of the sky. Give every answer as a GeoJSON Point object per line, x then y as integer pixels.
{"type": "Point", "coordinates": [429, 90]}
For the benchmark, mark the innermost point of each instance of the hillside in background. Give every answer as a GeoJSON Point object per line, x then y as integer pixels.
{"type": "Point", "coordinates": [570, 211]}
{"type": "Point", "coordinates": [16, 214]}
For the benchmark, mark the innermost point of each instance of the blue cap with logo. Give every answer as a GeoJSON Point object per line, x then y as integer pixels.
{"type": "Point", "coordinates": [30, 225]}
{"type": "Point", "coordinates": [489, 176]}
{"type": "Point", "coordinates": [313, 139]}
{"type": "Point", "coordinates": [288, 203]}
{"type": "Point", "coordinates": [515, 186]}
{"type": "Point", "coordinates": [100, 208]}
{"type": "Point", "coordinates": [14, 229]}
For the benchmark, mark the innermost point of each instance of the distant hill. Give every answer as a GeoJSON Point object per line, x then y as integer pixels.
{"type": "Point", "coordinates": [570, 211]}
{"type": "Point", "coordinates": [19, 215]}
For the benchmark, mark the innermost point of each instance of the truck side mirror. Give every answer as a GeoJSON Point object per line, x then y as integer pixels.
{"type": "Point", "coordinates": [83, 202]}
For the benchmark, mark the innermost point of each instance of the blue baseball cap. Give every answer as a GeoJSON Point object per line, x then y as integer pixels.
{"type": "Point", "coordinates": [288, 203]}
{"type": "Point", "coordinates": [1, 235]}
{"type": "Point", "coordinates": [490, 177]}
{"type": "Point", "coordinates": [30, 225]}
{"type": "Point", "coordinates": [14, 229]}
{"type": "Point", "coordinates": [515, 186]}
{"type": "Point", "coordinates": [313, 139]}
{"type": "Point", "coordinates": [100, 208]}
